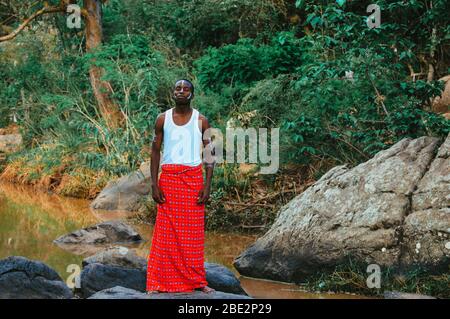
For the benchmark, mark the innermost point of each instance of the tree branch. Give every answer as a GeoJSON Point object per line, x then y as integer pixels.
{"type": "Point", "coordinates": [46, 9]}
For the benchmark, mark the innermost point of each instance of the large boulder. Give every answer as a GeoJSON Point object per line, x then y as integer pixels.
{"type": "Point", "coordinates": [127, 193]}
{"type": "Point", "coordinates": [21, 278]}
{"type": "Point", "coordinates": [427, 226]}
{"type": "Point", "coordinates": [119, 292]}
{"type": "Point", "coordinates": [120, 266]}
{"type": "Point", "coordinates": [114, 231]}
{"type": "Point", "coordinates": [391, 210]}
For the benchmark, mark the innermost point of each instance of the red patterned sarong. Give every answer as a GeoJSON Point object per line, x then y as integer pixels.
{"type": "Point", "coordinates": [176, 260]}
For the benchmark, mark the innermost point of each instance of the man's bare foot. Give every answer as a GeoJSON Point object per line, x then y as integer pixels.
{"type": "Point", "coordinates": [207, 289]}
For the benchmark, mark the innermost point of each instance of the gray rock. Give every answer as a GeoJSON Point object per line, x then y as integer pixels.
{"type": "Point", "coordinates": [364, 212]}
{"type": "Point", "coordinates": [96, 277]}
{"type": "Point", "coordinates": [427, 227]}
{"type": "Point", "coordinates": [10, 142]}
{"type": "Point", "coordinates": [127, 192]}
{"type": "Point", "coordinates": [433, 190]}
{"type": "Point", "coordinates": [126, 293]}
{"type": "Point", "coordinates": [21, 278]}
{"type": "Point", "coordinates": [115, 231]}
{"type": "Point", "coordinates": [222, 279]}
{"type": "Point", "coordinates": [86, 249]}
{"type": "Point", "coordinates": [119, 292]}
{"type": "Point", "coordinates": [404, 295]}
{"type": "Point", "coordinates": [122, 260]}
{"type": "Point", "coordinates": [117, 256]}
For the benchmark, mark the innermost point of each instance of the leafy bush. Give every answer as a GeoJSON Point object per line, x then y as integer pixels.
{"type": "Point", "coordinates": [240, 65]}
{"type": "Point", "coordinates": [196, 24]}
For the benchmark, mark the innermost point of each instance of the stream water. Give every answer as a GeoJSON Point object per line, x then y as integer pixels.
{"type": "Point", "coordinates": [30, 220]}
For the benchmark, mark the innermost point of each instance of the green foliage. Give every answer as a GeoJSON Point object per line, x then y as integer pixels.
{"type": "Point", "coordinates": [240, 65]}
{"type": "Point", "coordinates": [196, 24]}
{"type": "Point", "coordinates": [351, 96]}
{"type": "Point", "coordinates": [350, 276]}
{"type": "Point", "coordinates": [339, 91]}
{"type": "Point", "coordinates": [52, 98]}
{"type": "Point", "coordinates": [133, 69]}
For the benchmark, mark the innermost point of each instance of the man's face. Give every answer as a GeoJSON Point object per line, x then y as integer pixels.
{"type": "Point", "coordinates": [182, 92]}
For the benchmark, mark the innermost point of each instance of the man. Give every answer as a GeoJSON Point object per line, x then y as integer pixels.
{"type": "Point", "coordinates": [176, 260]}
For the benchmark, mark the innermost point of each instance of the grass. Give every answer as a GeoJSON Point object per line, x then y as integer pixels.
{"type": "Point", "coordinates": [351, 276]}
{"type": "Point", "coordinates": [59, 172]}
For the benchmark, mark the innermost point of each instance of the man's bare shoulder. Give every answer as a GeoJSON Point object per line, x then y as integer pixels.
{"type": "Point", "coordinates": [202, 117]}
{"type": "Point", "coordinates": [160, 118]}
{"type": "Point", "coordinates": [203, 122]}
{"type": "Point", "coordinates": [159, 122]}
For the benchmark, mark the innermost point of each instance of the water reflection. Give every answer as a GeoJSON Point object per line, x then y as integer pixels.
{"type": "Point", "coordinates": [259, 288]}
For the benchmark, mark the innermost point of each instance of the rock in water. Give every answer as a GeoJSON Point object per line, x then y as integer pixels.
{"type": "Point", "coordinates": [96, 277]}
{"type": "Point", "coordinates": [371, 212]}
{"type": "Point", "coordinates": [115, 231]}
{"type": "Point", "coordinates": [125, 193]}
{"type": "Point", "coordinates": [222, 279]}
{"type": "Point", "coordinates": [126, 293]}
{"type": "Point", "coordinates": [21, 278]}
{"type": "Point", "coordinates": [117, 256]}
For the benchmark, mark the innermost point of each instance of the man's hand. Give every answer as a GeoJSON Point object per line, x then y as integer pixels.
{"type": "Point", "coordinates": [203, 196]}
{"type": "Point", "coordinates": [158, 195]}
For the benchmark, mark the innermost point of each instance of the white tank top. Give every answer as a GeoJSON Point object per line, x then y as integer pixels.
{"type": "Point", "coordinates": [182, 143]}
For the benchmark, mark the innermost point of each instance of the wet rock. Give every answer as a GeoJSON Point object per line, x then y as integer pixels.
{"type": "Point", "coordinates": [115, 231]}
{"type": "Point", "coordinates": [119, 292]}
{"type": "Point", "coordinates": [22, 278]}
{"type": "Point", "coordinates": [126, 193]}
{"type": "Point", "coordinates": [222, 279]}
{"type": "Point", "coordinates": [126, 293]}
{"type": "Point", "coordinates": [117, 256]}
{"type": "Point", "coordinates": [85, 249]}
{"type": "Point", "coordinates": [372, 212]}
{"type": "Point", "coordinates": [404, 295]}
{"type": "Point", "coordinates": [96, 277]}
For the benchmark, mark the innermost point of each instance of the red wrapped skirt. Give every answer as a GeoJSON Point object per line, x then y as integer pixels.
{"type": "Point", "coordinates": [176, 259]}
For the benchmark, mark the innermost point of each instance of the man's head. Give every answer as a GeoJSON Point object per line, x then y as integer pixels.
{"type": "Point", "coordinates": [183, 91]}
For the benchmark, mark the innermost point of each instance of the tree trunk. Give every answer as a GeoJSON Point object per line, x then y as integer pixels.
{"type": "Point", "coordinates": [109, 109]}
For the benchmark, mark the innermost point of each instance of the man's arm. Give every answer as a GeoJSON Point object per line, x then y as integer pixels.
{"type": "Point", "coordinates": [157, 194]}
{"type": "Point", "coordinates": [208, 160]}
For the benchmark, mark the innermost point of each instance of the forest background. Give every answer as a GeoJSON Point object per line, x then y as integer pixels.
{"type": "Point", "coordinates": [85, 99]}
